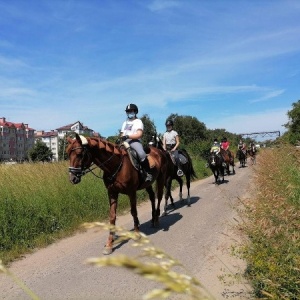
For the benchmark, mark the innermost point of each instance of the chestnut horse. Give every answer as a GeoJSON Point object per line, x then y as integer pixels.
{"type": "Point", "coordinates": [120, 176]}
{"type": "Point", "coordinates": [228, 160]}
{"type": "Point", "coordinates": [187, 169]}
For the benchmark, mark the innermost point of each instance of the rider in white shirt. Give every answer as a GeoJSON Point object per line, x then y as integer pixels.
{"type": "Point", "coordinates": [132, 132]}
{"type": "Point", "coordinates": [171, 143]}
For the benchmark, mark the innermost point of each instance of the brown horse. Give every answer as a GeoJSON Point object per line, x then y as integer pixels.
{"type": "Point", "coordinates": [229, 160]}
{"type": "Point", "coordinates": [120, 176]}
{"type": "Point", "coordinates": [252, 153]}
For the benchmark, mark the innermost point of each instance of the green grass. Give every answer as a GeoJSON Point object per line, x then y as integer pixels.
{"type": "Point", "coordinates": [38, 205]}
{"type": "Point", "coordinates": [273, 226]}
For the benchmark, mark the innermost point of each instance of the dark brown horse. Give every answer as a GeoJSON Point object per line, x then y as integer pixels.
{"type": "Point", "coordinates": [242, 157]}
{"type": "Point", "coordinates": [229, 160]}
{"type": "Point", "coordinates": [215, 163]}
{"type": "Point", "coordinates": [120, 176]}
{"type": "Point", "coordinates": [186, 167]}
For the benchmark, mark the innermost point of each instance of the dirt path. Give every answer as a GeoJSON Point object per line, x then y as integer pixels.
{"type": "Point", "coordinates": [200, 237]}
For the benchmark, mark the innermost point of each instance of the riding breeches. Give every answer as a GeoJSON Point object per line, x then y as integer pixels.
{"type": "Point", "coordinates": [138, 147]}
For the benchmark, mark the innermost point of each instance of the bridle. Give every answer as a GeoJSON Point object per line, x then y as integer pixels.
{"type": "Point", "coordinates": [81, 171]}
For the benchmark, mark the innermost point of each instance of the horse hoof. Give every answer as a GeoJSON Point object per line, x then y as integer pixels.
{"type": "Point", "coordinates": [107, 250]}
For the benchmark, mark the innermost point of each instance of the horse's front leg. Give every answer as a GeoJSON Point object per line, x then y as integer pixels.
{"type": "Point", "coordinates": [168, 194]}
{"type": "Point", "coordinates": [113, 204]}
{"type": "Point", "coordinates": [151, 194]}
{"type": "Point", "coordinates": [134, 213]}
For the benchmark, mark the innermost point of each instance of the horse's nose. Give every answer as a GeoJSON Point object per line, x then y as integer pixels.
{"type": "Point", "coordinates": [74, 179]}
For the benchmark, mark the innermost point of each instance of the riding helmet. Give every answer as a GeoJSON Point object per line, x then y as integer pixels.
{"type": "Point", "coordinates": [133, 107]}
{"type": "Point", "coordinates": [169, 123]}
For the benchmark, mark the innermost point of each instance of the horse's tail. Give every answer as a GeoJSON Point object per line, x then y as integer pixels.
{"type": "Point", "coordinates": [191, 168]}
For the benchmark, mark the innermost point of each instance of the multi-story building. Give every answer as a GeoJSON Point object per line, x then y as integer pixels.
{"type": "Point", "coordinates": [15, 140]}
{"type": "Point", "coordinates": [52, 138]}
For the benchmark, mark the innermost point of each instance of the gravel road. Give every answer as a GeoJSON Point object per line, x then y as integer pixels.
{"type": "Point", "coordinates": [199, 236]}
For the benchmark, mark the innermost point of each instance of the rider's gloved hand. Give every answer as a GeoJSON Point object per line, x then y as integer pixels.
{"type": "Point", "coordinates": [124, 138]}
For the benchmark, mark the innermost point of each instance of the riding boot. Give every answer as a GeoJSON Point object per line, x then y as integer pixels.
{"type": "Point", "coordinates": [146, 167]}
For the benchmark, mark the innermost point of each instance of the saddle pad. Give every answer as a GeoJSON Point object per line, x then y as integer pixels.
{"type": "Point", "coordinates": [183, 159]}
{"type": "Point", "coordinates": [151, 161]}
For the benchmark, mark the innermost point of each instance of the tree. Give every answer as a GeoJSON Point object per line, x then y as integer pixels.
{"type": "Point", "coordinates": [62, 145]}
{"type": "Point", "coordinates": [293, 124]}
{"type": "Point", "coordinates": [40, 152]}
{"type": "Point", "coordinates": [189, 128]}
{"type": "Point", "coordinates": [149, 129]}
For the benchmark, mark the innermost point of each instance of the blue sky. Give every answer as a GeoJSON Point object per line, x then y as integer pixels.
{"type": "Point", "coordinates": [231, 64]}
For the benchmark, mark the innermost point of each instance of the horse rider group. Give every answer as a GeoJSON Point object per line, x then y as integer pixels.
{"type": "Point", "coordinates": [132, 131]}
{"type": "Point", "coordinates": [217, 147]}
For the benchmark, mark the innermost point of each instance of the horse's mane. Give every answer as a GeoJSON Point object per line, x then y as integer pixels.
{"type": "Point", "coordinates": [108, 146]}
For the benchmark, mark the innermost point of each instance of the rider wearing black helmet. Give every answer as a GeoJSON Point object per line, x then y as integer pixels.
{"type": "Point", "coordinates": [132, 132]}
{"type": "Point", "coordinates": [171, 143]}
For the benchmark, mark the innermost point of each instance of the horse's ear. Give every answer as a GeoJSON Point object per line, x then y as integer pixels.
{"type": "Point", "coordinates": [69, 140]}
{"type": "Point", "coordinates": [84, 140]}
{"type": "Point", "coordinates": [78, 139]}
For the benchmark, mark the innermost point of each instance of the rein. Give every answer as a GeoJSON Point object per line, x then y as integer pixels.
{"type": "Point", "coordinates": [78, 172]}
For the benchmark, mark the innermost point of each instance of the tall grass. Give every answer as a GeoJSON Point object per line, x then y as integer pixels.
{"type": "Point", "coordinates": [273, 226]}
{"type": "Point", "coordinates": [38, 205]}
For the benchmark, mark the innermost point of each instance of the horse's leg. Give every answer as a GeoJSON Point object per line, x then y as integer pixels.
{"type": "Point", "coordinates": [113, 203]}
{"type": "Point", "coordinates": [168, 194]}
{"type": "Point", "coordinates": [180, 181]}
{"type": "Point", "coordinates": [188, 185]}
{"type": "Point", "coordinates": [151, 194]}
{"type": "Point", "coordinates": [160, 192]}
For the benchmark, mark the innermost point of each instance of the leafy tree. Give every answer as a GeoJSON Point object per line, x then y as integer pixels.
{"type": "Point", "coordinates": [293, 124]}
{"type": "Point", "coordinates": [149, 129]}
{"type": "Point", "coordinates": [189, 128]}
{"type": "Point", "coordinates": [40, 152]}
{"type": "Point", "coordinates": [62, 145]}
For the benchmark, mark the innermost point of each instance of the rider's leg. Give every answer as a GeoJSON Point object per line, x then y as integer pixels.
{"type": "Point", "coordinates": [138, 147]}
{"type": "Point", "coordinates": [178, 163]}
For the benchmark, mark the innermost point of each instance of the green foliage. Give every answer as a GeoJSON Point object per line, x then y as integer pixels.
{"type": "Point", "coordinates": [149, 129]}
{"type": "Point", "coordinates": [293, 124]}
{"type": "Point", "coordinates": [62, 155]}
{"type": "Point", "coordinates": [40, 152]}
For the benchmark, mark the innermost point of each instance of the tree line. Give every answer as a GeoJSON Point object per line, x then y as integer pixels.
{"type": "Point", "coordinates": [193, 134]}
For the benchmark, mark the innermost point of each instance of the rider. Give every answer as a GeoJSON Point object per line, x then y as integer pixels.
{"type": "Point", "coordinates": [171, 143]}
{"type": "Point", "coordinates": [132, 132]}
{"type": "Point", "coordinates": [242, 146]}
{"type": "Point", "coordinates": [215, 147]}
{"type": "Point", "coordinates": [225, 146]}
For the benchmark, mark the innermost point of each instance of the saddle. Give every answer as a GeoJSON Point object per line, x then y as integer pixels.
{"type": "Point", "coordinates": [182, 158]}
{"type": "Point", "coordinates": [134, 159]}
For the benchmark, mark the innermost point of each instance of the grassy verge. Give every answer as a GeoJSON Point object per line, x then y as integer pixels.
{"type": "Point", "coordinates": [273, 226]}
{"type": "Point", "coordinates": [38, 205]}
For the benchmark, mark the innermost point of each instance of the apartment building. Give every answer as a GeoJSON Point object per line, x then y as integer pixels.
{"type": "Point", "coordinates": [15, 140]}
{"type": "Point", "coordinates": [52, 138]}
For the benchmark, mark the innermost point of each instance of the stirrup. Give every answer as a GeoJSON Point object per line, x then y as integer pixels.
{"type": "Point", "coordinates": [179, 173]}
{"type": "Point", "coordinates": [224, 165]}
{"type": "Point", "coordinates": [149, 177]}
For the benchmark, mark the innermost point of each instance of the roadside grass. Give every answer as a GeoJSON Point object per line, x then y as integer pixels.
{"type": "Point", "coordinates": [38, 205]}
{"type": "Point", "coordinates": [272, 225]}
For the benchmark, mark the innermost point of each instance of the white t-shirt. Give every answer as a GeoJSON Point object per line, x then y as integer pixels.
{"type": "Point", "coordinates": [132, 126]}
{"type": "Point", "coordinates": [170, 137]}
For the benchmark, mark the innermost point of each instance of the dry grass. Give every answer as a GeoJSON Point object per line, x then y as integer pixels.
{"type": "Point", "coordinates": [273, 226]}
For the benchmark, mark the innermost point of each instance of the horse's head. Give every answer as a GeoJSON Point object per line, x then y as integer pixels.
{"type": "Point", "coordinates": [156, 142]}
{"type": "Point", "coordinates": [80, 160]}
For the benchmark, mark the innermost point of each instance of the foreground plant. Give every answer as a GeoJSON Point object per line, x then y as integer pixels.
{"type": "Point", "coordinates": [160, 271]}
{"type": "Point", "coordinates": [19, 282]}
